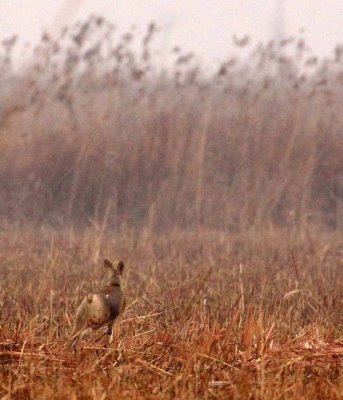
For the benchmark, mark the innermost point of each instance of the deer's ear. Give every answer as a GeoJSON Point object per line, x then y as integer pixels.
{"type": "Point", "coordinates": [120, 267]}
{"type": "Point", "coordinates": [108, 264]}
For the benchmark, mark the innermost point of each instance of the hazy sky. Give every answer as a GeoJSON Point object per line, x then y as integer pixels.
{"type": "Point", "coordinates": [204, 26]}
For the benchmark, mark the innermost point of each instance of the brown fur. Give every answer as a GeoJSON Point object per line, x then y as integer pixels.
{"type": "Point", "coordinates": [100, 308]}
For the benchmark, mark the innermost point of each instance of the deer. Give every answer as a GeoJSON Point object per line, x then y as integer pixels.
{"type": "Point", "coordinates": [102, 307]}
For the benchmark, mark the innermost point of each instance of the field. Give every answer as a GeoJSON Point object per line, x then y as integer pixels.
{"type": "Point", "coordinates": [222, 191]}
{"type": "Point", "coordinates": [209, 315]}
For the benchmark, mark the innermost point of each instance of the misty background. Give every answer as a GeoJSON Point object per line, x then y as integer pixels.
{"type": "Point", "coordinates": [202, 26]}
{"type": "Point", "coordinates": [162, 115]}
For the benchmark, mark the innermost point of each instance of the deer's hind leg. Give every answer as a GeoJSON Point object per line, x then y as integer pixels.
{"type": "Point", "coordinates": [80, 335]}
{"type": "Point", "coordinates": [110, 331]}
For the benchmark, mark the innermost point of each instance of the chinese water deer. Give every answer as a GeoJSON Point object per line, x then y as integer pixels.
{"type": "Point", "coordinates": [101, 308]}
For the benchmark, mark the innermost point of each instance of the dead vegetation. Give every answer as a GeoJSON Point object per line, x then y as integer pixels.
{"type": "Point", "coordinates": [209, 316]}
{"type": "Point", "coordinates": [85, 137]}
{"type": "Point", "coordinates": [221, 190]}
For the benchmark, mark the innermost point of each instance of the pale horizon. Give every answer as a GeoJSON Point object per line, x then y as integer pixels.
{"type": "Point", "coordinates": [203, 27]}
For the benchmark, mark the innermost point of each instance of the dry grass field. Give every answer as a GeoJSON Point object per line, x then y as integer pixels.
{"type": "Point", "coordinates": [209, 315]}
{"type": "Point", "coordinates": [222, 191]}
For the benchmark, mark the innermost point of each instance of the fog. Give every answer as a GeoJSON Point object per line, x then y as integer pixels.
{"type": "Point", "coordinates": [202, 26]}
